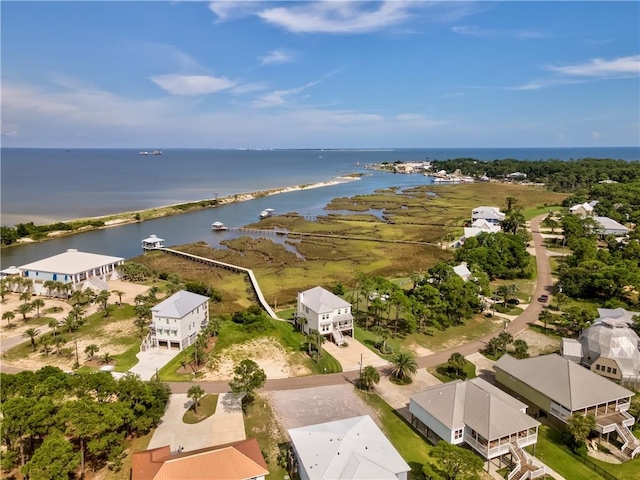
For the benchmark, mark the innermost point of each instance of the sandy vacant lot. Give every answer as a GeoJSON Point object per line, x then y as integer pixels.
{"type": "Point", "coordinates": [266, 352]}
{"type": "Point", "coordinates": [539, 344]}
{"type": "Point", "coordinates": [310, 406]}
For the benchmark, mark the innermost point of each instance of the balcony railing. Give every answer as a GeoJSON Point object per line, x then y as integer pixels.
{"type": "Point", "coordinates": [498, 447]}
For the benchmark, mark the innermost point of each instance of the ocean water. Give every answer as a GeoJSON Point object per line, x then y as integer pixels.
{"type": "Point", "coordinates": [44, 185]}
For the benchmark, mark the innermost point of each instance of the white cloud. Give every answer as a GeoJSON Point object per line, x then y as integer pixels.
{"type": "Point", "coordinates": [8, 130]}
{"type": "Point", "coordinates": [249, 88]}
{"type": "Point", "coordinates": [476, 31]}
{"type": "Point", "coordinates": [192, 84]}
{"type": "Point", "coordinates": [598, 67]}
{"type": "Point", "coordinates": [277, 57]}
{"type": "Point", "coordinates": [279, 97]}
{"type": "Point", "coordinates": [227, 10]}
{"type": "Point", "coordinates": [337, 17]}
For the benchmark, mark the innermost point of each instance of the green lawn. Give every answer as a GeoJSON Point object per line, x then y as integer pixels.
{"type": "Point", "coordinates": [443, 373]}
{"type": "Point", "coordinates": [410, 444]}
{"type": "Point", "coordinates": [206, 407]}
{"type": "Point", "coordinates": [128, 359]}
{"type": "Point", "coordinates": [549, 451]}
{"type": "Point", "coordinates": [539, 210]}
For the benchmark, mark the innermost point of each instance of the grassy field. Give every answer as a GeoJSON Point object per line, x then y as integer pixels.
{"type": "Point", "coordinates": [530, 213]}
{"type": "Point", "coordinates": [261, 424]}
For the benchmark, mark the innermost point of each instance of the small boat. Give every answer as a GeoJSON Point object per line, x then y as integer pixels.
{"type": "Point", "coordinates": [144, 153]}
{"type": "Point", "coordinates": [266, 213]}
{"type": "Point", "coordinates": [157, 152]}
{"type": "Point", "coordinates": [218, 226]}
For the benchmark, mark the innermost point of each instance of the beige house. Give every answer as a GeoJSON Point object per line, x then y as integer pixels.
{"type": "Point", "coordinates": [584, 209]}
{"type": "Point", "coordinates": [556, 388]}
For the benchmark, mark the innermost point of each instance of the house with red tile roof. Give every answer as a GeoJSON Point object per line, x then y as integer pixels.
{"type": "Point", "coordinates": [241, 460]}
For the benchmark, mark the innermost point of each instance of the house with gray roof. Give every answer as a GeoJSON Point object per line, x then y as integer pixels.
{"type": "Point", "coordinates": [319, 309]}
{"type": "Point", "coordinates": [78, 270]}
{"type": "Point", "coordinates": [617, 313]}
{"type": "Point", "coordinates": [477, 414]}
{"type": "Point", "coordinates": [349, 449]}
{"type": "Point", "coordinates": [556, 388]}
{"type": "Point", "coordinates": [490, 214]}
{"type": "Point", "coordinates": [462, 271]}
{"type": "Point", "coordinates": [608, 226]}
{"type": "Point", "coordinates": [177, 320]}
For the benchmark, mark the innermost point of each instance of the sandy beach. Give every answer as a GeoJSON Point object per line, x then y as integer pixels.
{"type": "Point", "coordinates": [125, 218]}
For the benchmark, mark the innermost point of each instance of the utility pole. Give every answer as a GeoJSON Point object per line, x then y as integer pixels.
{"type": "Point", "coordinates": [360, 375]}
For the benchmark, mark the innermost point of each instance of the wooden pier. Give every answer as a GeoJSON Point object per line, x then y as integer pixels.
{"type": "Point", "coordinates": [227, 266]}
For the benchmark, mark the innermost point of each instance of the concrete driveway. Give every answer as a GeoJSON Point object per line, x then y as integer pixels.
{"type": "Point", "coordinates": [152, 360]}
{"type": "Point", "coordinates": [484, 366]}
{"type": "Point", "coordinates": [349, 356]}
{"type": "Point", "coordinates": [398, 395]}
{"type": "Point", "coordinates": [226, 425]}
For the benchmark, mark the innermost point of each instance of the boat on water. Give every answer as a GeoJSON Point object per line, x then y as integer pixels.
{"type": "Point", "coordinates": [266, 213]}
{"type": "Point", "coordinates": [218, 226]}
{"type": "Point", "coordinates": [450, 180]}
{"type": "Point", "coordinates": [144, 153]}
{"type": "Point", "coordinates": [157, 152]}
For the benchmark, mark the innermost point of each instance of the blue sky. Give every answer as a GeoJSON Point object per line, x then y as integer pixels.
{"type": "Point", "coordinates": [320, 74]}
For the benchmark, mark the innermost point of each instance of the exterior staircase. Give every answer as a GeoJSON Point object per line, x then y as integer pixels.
{"type": "Point", "coordinates": [631, 445]}
{"type": "Point", "coordinates": [98, 283]}
{"type": "Point", "coordinates": [338, 338]}
{"type": "Point", "coordinates": [526, 467]}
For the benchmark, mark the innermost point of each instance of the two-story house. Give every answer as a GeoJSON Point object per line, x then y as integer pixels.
{"type": "Point", "coordinates": [177, 320]}
{"type": "Point", "coordinates": [492, 215]}
{"type": "Point", "coordinates": [318, 309]}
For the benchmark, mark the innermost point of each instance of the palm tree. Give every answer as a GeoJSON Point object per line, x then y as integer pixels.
{"type": "Point", "coordinates": [77, 312]}
{"type": "Point", "coordinates": [152, 293]}
{"type": "Point", "coordinates": [545, 316]}
{"type": "Point", "coordinates": [76, 296]}
{"type": "Point", "coordinates": [404, 366]}
{"type": "Point", "coordinates": [505, 339]}
{"type": "Point", "coordinates": [369, 378]}
{"type": "Point", "coordinates": [25, 296]}
{"type": "Point", "coordinates": [89, 294]}
{"type": "Point", "coordinates": [504, 292]}
{"type": "Point", "coordinates": [58, 342]}
{"type": "Point", "coordinates": [580, 426]}
{"type": "Point", "coordinates": [53, 325]}
{"type": "Point", "coordinates": [103, 299]}
{"type": "Point", "coordinates": [46, 345]}
{"type": "Point", "coordinates": [457, 362]}
{"type": "Point", "coordinates": [318, 339]}
{"type": "Point", "coordinates": [69, 323]}
{"type": "Point", "coordinates": [49, 286]}
{"type": "Point", "coordinates": [494, 345]}
{"type": "Point", "coordinates": [107, 358]}
{"type": "Point", "coordinates": [141, 323]}
{"type": "Point", "coordinates": [91, 350]}
{"type": "Point", "coordinates": [382, 332]}
{"type": "Point", "coordinates": [24, 309]}
{"type": "Point", "coordinates": [8, 316]}
{"type": "Point", "coordinates": [119, 293]}
{"type": "Point", "coordinates": [4, 289]}
{"type": "Point", "coordinates": [195, 393]}
{"type": "Point", "coordinates": [521, 349]}
{"type": "Point", "coordinates": [31, 334]}
{"type": "Point", "coordinates": [38, 303]}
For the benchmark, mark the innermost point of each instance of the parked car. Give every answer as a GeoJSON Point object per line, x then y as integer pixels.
{"type": "Point", "coordinates": [513, 301]}
{"type": "Point", "coordinates": [543, 298]}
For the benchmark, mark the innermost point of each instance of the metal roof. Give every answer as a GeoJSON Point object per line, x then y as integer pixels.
{"type": "Point", "coordinates": [618, 313]}
{"type": "Point", "coordinates": [478, 405]}
{"type": "Point", "coordinates": [462, 271]}
{"type": "Point", "coordinates": [612, 338]}
{"type": "Point", "coordinates": [610, 224]}
{"type": "Point", "coordinates": [353, 448]}
{"type": "Point", "coordinates": [563, 381]}
{"type": "Point", "coordinates": [322, 301]}
{"type": "Point", "coordinates": [71, 262]}
{"type": "Point", "coordinates": [179, 304]}
{"type": "Point", "coordinates": [487, 212]}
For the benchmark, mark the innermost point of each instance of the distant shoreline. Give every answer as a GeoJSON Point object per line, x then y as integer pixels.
{"type": "Point", "coordinates": [126, 218]}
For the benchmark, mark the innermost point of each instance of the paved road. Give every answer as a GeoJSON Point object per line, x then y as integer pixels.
{"type": "Point", "coordinates": [526, 318]}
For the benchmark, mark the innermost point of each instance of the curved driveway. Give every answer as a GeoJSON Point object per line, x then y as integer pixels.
{"type": "Point", "coordinates": [526, 318]}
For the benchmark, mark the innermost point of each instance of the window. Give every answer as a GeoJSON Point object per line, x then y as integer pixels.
{"type": "Point", "coordinates": [597, 367]}
{"type": "Point", "coordinates": [608, 369]}
{"type": "Point", "coordinates": [457, 435]}
{"type": "Point", "coordinates": [167, 321]}
{"type": "Point", "coordinates": [615, 370]}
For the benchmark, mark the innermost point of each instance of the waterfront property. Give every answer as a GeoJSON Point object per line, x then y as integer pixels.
{"type": "Point", "coordinates": [241, 460]}
{"type": "Point", "coordinates": [477, 414]}
{"type": "Point", "coordinates": [177, 320]}
{"type": "Point", "coordinates": [492, 215]}
{"type": "Point", "coordinates": [325, 312]}
{"type": "Point", "coordinates": [346, 449]}
{"type": "Point", "coordinates": [152, 242]}
{"type": "Point", "coordinates": [78, 270]}
{"type": "Point", "coordinates": [556, 388]}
